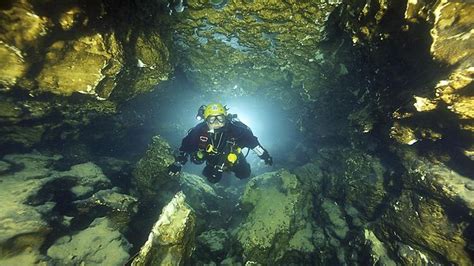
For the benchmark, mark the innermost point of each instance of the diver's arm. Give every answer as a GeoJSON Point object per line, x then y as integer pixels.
{"type": "Point", "coordinates": [263, 154]}
{"type": "Point", "coordinates": [252, 142]}
{"type": "Point", "coordinates": [189, 144]}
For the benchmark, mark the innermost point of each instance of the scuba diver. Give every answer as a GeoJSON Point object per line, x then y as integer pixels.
{"type": "Point", "coordinates": [218, 141]}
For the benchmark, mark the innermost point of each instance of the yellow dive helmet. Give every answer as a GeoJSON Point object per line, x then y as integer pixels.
{"type": "Point", "coordinates": [214, 109]}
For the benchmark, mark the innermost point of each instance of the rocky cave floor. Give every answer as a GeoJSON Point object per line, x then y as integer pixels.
{"type": "Point", "coordinates": [56, 214]}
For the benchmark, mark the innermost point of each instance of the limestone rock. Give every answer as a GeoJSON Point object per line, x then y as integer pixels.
{"type": "Point", "coordinates": [81, 65]}
{"type": "Point", "coordinates": [337, 224]}
{"type": "Point", "coordinates": [357, 179]}
{"type": "Point", "coordinates": [412, 256]}
{"type": "Point", "coordinates": [378, 252]}
{"type": "Point", "coordinates": [437, 179]}
{"type": "Point", "coordinates": [9, 111]}
{"type": "Point", "coordinates": [403, 134]}
{"type": "Point", "coordinates": [424, 221]}
{"type": "Point", "coordinates": [22, 29]}
{"type": "Point", "coordinates": [149, 67]}
{"type": "Point", "coordinates": [310, 175]}
{"type": "Point", "coordinates": [244, 46]}
{"type": "Point", "coordinates": [452, 42]}
{"type": "Point", "coordinates": [279, 220]}
{"type": "Point", "coordinates": [98, 244]}
{"type": "Point", "coordinates": [22, 226]}
{"type": "Point", "coordinates": [4, 167]}
{"type": "Point", "coordinates": [453, 92]}
{"type": "Point", "coordinates": [12, 64]}
{"type": "Point", "coordinates": [87, 178]}
{"type": "Point", "coordinates": [171, 240]}
{"type": "Point", "coordinates": [200, 196]}
{"type": "Point", "coordinates": [119, 207]}
{"type": "Point", "coordinates": [27, 136]}
{"type": "Point", "coordinates": [150, 177]}
{"type": "Point", "coordinates": [35, 196]}
{"type": "Point", "coordinates": [215, 243]}
{"type": "Point", "coordinates": [33, 166]}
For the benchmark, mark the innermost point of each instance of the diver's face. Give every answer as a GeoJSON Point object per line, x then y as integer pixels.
{"type": "Point", "coordinates": [215, 122]}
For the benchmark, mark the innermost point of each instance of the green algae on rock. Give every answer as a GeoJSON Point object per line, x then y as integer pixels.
{"type": "Point", "coordinates": [216, 243]}
{"type": "Point", "coordinates": [279, 219]}
{"type": "Point", "coordinates": [253, 45]}
{"type": "Point", "coordinates": [81, 65]}
{"type": "Point", "coordinates": [150, 177]}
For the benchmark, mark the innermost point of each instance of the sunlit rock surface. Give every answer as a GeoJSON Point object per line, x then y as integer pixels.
{"type": "Point", "coordinates": [81, 65]}
{"type": "Point", "coordinates": [171, 240]}
{"type": "Point", "coordinates": [85, 50]}
{"type": "Point", "coordinates": [278, 228]}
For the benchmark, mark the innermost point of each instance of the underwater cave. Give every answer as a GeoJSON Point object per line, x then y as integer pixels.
{"type": "Point", "coordinates": [128, 128]}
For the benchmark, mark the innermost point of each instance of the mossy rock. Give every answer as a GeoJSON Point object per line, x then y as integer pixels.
{"type": "Point", "coordinates": [279, 223]}
{"type": "Point", "coordinates": [150, 177]}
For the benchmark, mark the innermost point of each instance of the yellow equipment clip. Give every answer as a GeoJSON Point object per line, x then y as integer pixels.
{"type": "Point", "coordinates": [210, 148]}
{"type": "Point", "coordinates": [232, 158]}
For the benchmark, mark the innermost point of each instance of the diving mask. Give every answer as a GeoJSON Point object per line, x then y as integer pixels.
{"type": "Point", "coordinates": [215, 122]}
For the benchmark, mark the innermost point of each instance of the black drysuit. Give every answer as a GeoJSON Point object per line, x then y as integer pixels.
{"type": "Point", "coordinates": [234, 134]}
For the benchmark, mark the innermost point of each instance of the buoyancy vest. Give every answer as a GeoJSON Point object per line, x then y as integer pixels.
{"type": "Point", "coordinates": [219, 148]}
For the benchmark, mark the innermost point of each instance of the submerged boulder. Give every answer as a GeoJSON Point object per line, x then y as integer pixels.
{"type": "Point", "coordinates": [99, 244]}
{"type": "Point", "coordinates": [278, 228]}
{"type": "Point", "coordinates": [171, 240]}
{"type": "Point", "coordinates": [214, 243]}
{"type": "Point", "coordinates": [118, 207]}
{"type": "Point", "coordinates": [23, 227]}
{"type": "Point", "coordinates": [202, 197]}
{"type": "Point", "coordinates": [151, 181]}
{"type": "Point", "coordinates": [336, 222]}
{"type": "Point", "coordinates": [377, 251]}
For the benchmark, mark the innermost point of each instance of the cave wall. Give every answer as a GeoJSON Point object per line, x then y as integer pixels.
{"type": "Point", "coordinates": [65, 67]}
{"type": "Point", "coordinates": [403, 143]}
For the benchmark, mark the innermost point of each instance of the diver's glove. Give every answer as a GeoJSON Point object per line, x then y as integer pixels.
{"type": "Point", "coordinates": [180, 159]}
{"type": "Point", "coordinates": [174, 169]}
{"type": "Point", "coordinates": [263, 154]}
{"type": "Point", "coordinates": [267, 158]}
